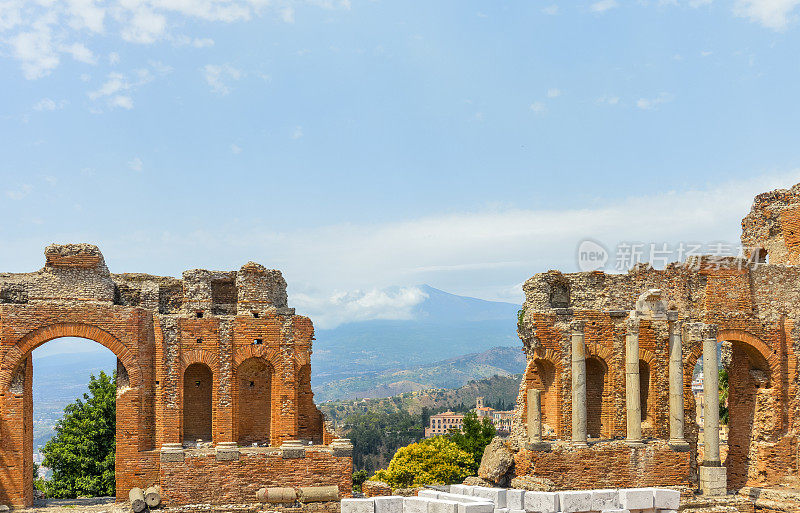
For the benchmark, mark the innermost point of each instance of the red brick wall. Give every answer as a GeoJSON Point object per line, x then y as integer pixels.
{"type": "Point", "coordinates": [197, 408]}
{"type": "Point", "coordinates": [200, 478]}
{"type": "Point", "coordinates": [254, 382]}
{"type": "Point", "coordinates": [607, 465]}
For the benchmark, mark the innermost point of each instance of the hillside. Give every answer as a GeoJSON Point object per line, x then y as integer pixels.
{"type": "Point", "coordinates": [451, 373]}
{"type": "Point", "coordinates": [497, 390]}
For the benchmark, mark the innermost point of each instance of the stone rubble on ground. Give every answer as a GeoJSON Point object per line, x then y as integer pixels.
{"type": "Point", "coordinates": [481, 499]}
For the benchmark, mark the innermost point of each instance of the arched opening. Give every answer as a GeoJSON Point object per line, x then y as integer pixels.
{"type": "Point", "coordinates": [751, 407]}
{"type": "Point", "coordinates": [254, 381]}
{"type": "Point", "coordinates": [197, 409]}
{"type": "Point", "coordinates": [56, 374]}
{"type": "Point", "coordinates": [596, 422]}
{"type": "Point", "coordinates": [644, 388]}
{"type": "Point", "coordinates": [540, 375]}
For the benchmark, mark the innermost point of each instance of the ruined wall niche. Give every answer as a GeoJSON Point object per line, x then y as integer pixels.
{"type": "Point", "coordinates": [559, 295]}
{"type": "Point", "coordinates": [197, 402]}
{"type": "Point", "coordinates": [18, 381]}
{"type": "Point", "coordinates": [254, 408]}
{"type": "Point", "coordinates": [123, 380]}
{"type": "Point", "coordinates": [596, 378]}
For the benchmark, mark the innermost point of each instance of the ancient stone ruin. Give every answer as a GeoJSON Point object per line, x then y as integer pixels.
{"type": "Point", "coordinates": [214, 396]}
{"type": "Point", "coordinates": [606, 400]}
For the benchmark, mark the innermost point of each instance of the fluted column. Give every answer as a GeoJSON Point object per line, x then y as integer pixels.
{"type": "Point", "coordinates": [632, 384]}
{"type": "Point", "coordinates": [676, 412]}
{"type": "Point", "coordinates": [578, 384]}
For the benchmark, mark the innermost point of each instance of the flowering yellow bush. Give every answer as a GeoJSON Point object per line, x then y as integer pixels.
{"type": "Point", "coordinates": [436, 460]}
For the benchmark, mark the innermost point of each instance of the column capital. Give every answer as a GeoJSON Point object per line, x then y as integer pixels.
{"type": "Point", "coordinates": [673, 316]}
{"type": "Point", "coordinates": [632, 325]}
{"type": "Point", "coordinates": [577, 326]}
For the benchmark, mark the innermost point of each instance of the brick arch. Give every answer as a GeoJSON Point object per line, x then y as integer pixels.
{"type": "Point", "coordinates": [769, 355]}
{"type": "Point", "coordinates": [30, 341]}
{"type": "Point", "coordinates": [260, 351]}
{"type": "Point", "coordinates": [599, 400]}
{"type": "Point", "coordinates": [200, 356]}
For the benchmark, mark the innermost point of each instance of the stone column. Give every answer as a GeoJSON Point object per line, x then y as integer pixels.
{"type": "Point", "coordinates": [713, 478]}
{"type": "Point", "coordinates": [676, 413]}
{"type": "Point", "coordinates": [578, 385]}
{"type": "Point", "coordinates": [632, 383]}
{"type": "Point", "coordinates": [535, 442]}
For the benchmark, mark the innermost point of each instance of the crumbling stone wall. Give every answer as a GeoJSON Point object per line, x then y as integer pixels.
{"type": "Point", "coordinates": [754, 305]}
{"type": "Point", "coordinates": [178, 341]}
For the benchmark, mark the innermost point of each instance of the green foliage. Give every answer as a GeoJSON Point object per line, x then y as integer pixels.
{"type": "Point", "coordinates": [473, 438]}
{"type": "Point", "coordinates": [81, 454]}
{"type": "Point", "coordinates": [434, 461]}
{"type": "Point", "coordinates": [723, 396]}
{"type": "Point", "coordinates": [359, 476]}
{"type": "Point", "coordinates": [520, 317]}
{"type": "Point", "coordinates": [377, 435]}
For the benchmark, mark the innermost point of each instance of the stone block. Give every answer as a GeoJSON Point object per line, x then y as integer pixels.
{"type": "Point", "coordinates": [428, 493]}
{"type": "Point", "coordinates": [415, 505]}
{"type": "Point", "coordinates": [713, 480]}
{"type": "Point", "coordinates": [495, 495]}
{"type": "Point", "coordinates": [605, 500]}
{"type": "Point", "coordinates": [461, 489]}
{"type": "Point", "coordinates": [636, 498]}
{"type": "Point", "coordinates": [542, 502]}
{"type": "Point", "coordinates": [515, 499]}
{"type": "Point", "coordinates": [516, 510]}
{"type": "Point", "coordinates": [227, 451]}
{"type": "Point", "coordinates": [664, 498]}
{"type": "Point", "coordinates": [668, 511]}
{"type": "Point", "coordinates": [442, 506]}
{"type": "Point", "coordinates": [575, 501]}
{"type": "Point", "coordinates": [615, 511]}
{"type": "Point", "coordinates": [388, 504]}
{"type": "Point", "coordinates": [501, 510]}
{"type": "Point", "coordinates": [358, 506]}
{"type": "Point", "coordinates": [460, 498]}
{"type": "Point", "coordinates": [475, 507]}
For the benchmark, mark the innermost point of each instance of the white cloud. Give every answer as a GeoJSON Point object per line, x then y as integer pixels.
{"type": "Point", "coordinates": [136, 164]}
{"type": "Point", "coordinates": [773, 14]}
{"type": "Point", "coordinates": [603, 5]}
{"type": "Point", "coordinates": [608, 100]}
{"type": "Point", "coordinates": [217, 76]}
{"type": "Point", "coordinates": [45, 104]}
{"type": "Point", "coordinates": [538, 107]}
{"type": "Point", "coordinates": [20, 192]}
{"type": "Point", "coordinates": [553, 93]}
{"type": "Point", "coordinates": [297, 133]}
{"type": "Point", "coordinates": [117, 88]}
{"type": "Point", "coordinates": [652, 103]}
{"type": "Point", "coordinates": [360, 305]}
{"type": "Point", "coordinates": [38, 32]}
{"type": "Point", "coordinates": [80, 53]}
{"type": "Point", "coordinates": [235, 149]}
{"type": "Point", "coordinates": [551, 10]}
{"type": "Point", "coordinates": [113, 58]}
{"type": "Point", "coordinates": [125, 102]}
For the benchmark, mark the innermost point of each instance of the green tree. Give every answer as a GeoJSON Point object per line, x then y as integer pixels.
{"type": "Point", "coordinates": [81, 454]}
{"type": "Point", "coordinates": [723, 396]}
{"type": "Point", "coordinates": [473, 438]}
{"type": "Point", "coordinates": [359, 476]}
{"type": "Point", "coordinates": [436, 460]}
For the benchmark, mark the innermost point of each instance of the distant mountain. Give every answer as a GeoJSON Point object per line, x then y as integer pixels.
{"type": "Point", "coordinates": [443, 326]}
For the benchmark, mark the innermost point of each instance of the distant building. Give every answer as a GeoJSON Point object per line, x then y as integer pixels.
{"type": "Point", "coordinates": [442, 423]}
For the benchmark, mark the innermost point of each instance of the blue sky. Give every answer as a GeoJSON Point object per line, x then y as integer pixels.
{"type": "Point", "coordinates": [360, 145]}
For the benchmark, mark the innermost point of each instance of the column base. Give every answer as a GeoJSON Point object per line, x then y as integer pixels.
{"type": "Point", "coordinates": [713, 480]}
{"type": "Point", "coordinates": [679, 445]}
{"type": "Point", "coordinates": [227, 451]}
{"type": "Point", "coordinates": [538, 446]}
{"type": "Point", "coordinates": [634, 443]}
{"type": "Point", "coordinates": [579, 443]}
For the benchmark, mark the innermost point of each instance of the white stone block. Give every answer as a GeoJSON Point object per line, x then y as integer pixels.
{"type": "Point", "coordinates": [575, 501]}
{"type": "Point", "coordinates": [636, 498]}
{"type": "Point", "coordinates": [605, 499]}
{"type": "Point", "coordinates": [616, 511]}
{"type": "Point", "coordinates": [460, 498]}
{"type": "Point", "coordinates": [460, 489]}
{"type": "Point", "coordinates": [500, 510]}
{"type": "Point", "coordinates": [389, 504]}
{"type": "Point", "coordinates": [664, 498]}
{"type": "Point", "coordinates": [516, 510]}
{"type": "Point", "coordinates": [668, 511]}
{"type": "Point", "coordinates": [430, 494]}
{"type": "Point", "coordinates": [475, 507]}
{"type": "Point", "coordinates": [440, 506]}
{"type": "Point", "coordinates": [358, 506]}
{"type": "Point", "coordinates": [415, 505]}
{"type": "Point", "coordinates": [496, 495]}
{"type": "Point", "coordinates": [541, 502]}
{"type": "Point", "coordinates": [515, 499]}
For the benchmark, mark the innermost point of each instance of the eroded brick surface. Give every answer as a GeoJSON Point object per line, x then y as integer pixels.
{"type": "Point", "coordinates": [212, 357]}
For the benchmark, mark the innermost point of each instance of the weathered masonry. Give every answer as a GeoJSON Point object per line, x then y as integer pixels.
{"type": "Point", "coordinates": [214, 393]}
{"type": "Point", "coordinates": [606, 399]}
